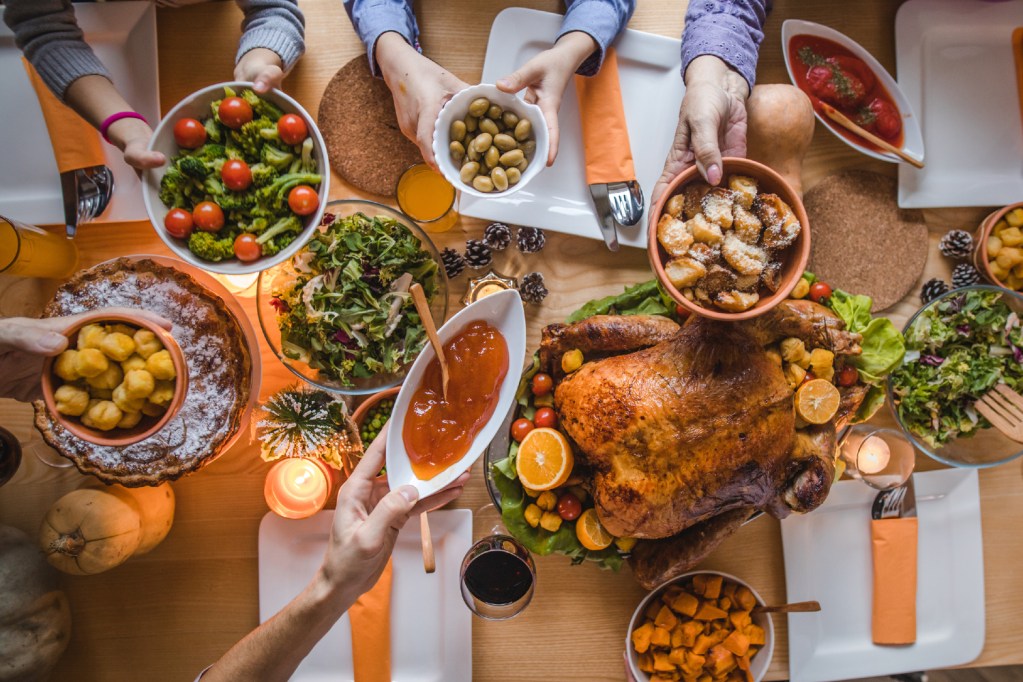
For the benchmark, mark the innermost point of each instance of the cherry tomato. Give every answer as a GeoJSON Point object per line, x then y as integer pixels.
{"type": "Point", "coordinates": [521, 427]}
{"type": "Point", "coordinates": [234, 112]}
{"type": "Point", "coordinates": [848, 376]}
{"type": "Point", "coordinates": [246, 248]}
{"type": "Point", "coordinates": [178, 223]}
{"type": "Point", "coordinates": [236, 175]}
{"type": "Point", "coordinates": [810, 376]}
{"type": "Point", "coordinates": [819, 291]}
{"type": "Point", "coordinates": [883, 118]}
{"type": "Point", "coordinates": [292, 129]}
{"type": "Point", "coordinates": [208, 216]}
{"type": "Point", "coordinates": [303, 200]}
{"type": "Point", "coordinates": [546, 417]}
{"type": "Point", "coordinates": [542, 384]}
{"type": "Point", "coordinates": [189, 133]}
{"type": "Point", "coordinates": [569, 506]}
{"type": "Point", "coordinates": [682, 312]}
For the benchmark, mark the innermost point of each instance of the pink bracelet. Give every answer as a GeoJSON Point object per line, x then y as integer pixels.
{"type": "Point", "coordinates": [114, 118]}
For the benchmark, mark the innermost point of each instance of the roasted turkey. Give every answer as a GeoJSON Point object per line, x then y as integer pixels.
{"type": "Point", "coordinates": [682, 433]}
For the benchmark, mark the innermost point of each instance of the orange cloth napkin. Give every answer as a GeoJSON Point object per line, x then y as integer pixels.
{"type": "Point", "coordinates": [605, 135]}
{"type": "Point", "coordinates": [371, 631]}
{"type": "Point", "coordinates": [894, 550]}
{"type": "Point", "coordinates": [76, 144]}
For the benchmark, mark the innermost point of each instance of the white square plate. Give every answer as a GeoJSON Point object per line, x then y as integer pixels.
{"type": "Point", "coordinates": [955, 64]}
{"type": "Point", "coordinates": [431, 628]}
{"type": "Point", "coordinates": [123, 36]}
{"type": "Point", "coordinates": [827, 558]}
{"type": "Point", "coordinates": [559, 198]}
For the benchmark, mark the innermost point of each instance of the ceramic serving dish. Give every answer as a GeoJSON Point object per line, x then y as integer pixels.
{"type": "Point", "coordinates": [981, 259]}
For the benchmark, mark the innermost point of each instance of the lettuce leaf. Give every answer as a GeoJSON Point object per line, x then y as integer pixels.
{"type": "Point", "coordinates": [853, 309]}
{"type": "Point", "coordinates": [644, 298]}
{"type": "Point", "coordinates": [883, 344]}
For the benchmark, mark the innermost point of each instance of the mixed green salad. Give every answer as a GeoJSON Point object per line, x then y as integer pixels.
{"type": "Point", "coordinates": [347, 311]}
{"type": "Point", "coordinates": [957, 350]}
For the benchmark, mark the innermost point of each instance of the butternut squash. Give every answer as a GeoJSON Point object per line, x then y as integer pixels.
{"type": "Point", "coordinates": [90, 531]}
{"type": "Point", "coordinates": [780, 128]}
{"type": "Point", "coordinates": [155, 506]}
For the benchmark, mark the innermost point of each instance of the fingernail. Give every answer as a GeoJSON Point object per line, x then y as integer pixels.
{"type": "Point", "coordinates": [713, 174]}
{"type": "Point", "coordinates": [409, 493]}
{"type": "Point", "coordinates": [504, 83]}
{"type": "Point", "coordinates": [51, 341]}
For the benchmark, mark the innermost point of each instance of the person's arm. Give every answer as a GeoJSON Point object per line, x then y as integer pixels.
{"type": "Point", "coordinates": [730, 30]}
{"type": "Point", "coordinates": [373, 18]}
{"type": "Point", "coordinates": [601, 20]}
{"type": "Point", "coordinates": [273, 40]}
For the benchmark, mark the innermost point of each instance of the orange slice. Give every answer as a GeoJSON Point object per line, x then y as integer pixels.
{"type": "Point", "coordinates": [545, 459]}
{"type": "Point", "coordinates": [591, 534]}
{"type": "Point", "coordinates": [817, 401]}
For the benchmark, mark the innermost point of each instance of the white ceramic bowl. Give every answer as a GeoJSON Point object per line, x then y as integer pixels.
{"type": "Point", "coordinates": [455, 110]}
{"type": "Point", "coordinates": [758, 664]}
{"type": "Point", "coordinates": [913, 141]}
{"type": "Point", "coordinates": [504, 311]}
{"type": "Point", "coordinates": [197, 105]}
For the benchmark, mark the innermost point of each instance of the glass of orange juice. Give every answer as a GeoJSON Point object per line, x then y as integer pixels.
{"type": "Point", "coordinates": [426, 197]}
{"type": "Point", "coordinates": [30, 251]}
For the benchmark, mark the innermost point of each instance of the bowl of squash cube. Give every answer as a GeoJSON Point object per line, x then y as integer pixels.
{"type": "Point", "coordinates": [700, 626]}
{"type": "Point", "coordinates": [729, 252]}
{"type": "Point", "coordinates": [998, 247]}
{"type": "Point", "coordinates": [120, 381]}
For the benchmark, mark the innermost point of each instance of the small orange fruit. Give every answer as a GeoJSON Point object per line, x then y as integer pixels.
{"type": "Point", "coordinates": [591, 534]}
{"type": "Point", "coordinates": [817, 401]}
{"type": "Point", "coordinates": [544, 460]}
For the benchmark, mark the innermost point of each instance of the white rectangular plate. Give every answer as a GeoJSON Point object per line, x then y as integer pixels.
{"type": "Point", "coordinates": [431, 628]}
{"type": "Point", "coordinates": [955, 65]}
{"type": "Point", "coordinates": [827, 558]}
{"type": "Point", "coordinates": [123, 36]}
{"type": "Point", "coordinates": [559, 198]}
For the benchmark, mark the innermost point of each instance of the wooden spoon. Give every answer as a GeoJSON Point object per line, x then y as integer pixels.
{"type": "Point", "coordinates": [419, 298]}
{"type": "Point", "coordinates": [796, 607]}
{"type": "Point", "coordinates": [841, 119]}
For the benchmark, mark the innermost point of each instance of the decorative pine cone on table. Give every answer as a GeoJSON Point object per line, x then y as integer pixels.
{"type": "Point", "coordinates": [932, 289]}
{"type": "Point", "coordinates": [964, 275]}
{"type": "Point", "coordinates": [497, 236]}
{"type": "Point", "coordinates": [477, 254]}
{"type": "Point", "coordinates": [530, 239]}
{"type": "Point", "coordinates": [956, 244]}
{"type": "Point", "coordinates": [453, 262]}
{"type": "Point", "coordinates": [532, 288]}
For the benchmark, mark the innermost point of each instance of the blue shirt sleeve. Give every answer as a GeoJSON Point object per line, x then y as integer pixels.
{"type": "Point", "coordinates": [731, 30]}
{"type": "Point", "coordinates": [602, 20]}
{"type": "Point", "coordinates": [373, 18]}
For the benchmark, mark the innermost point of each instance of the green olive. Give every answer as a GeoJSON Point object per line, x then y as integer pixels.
{"type": "Point", "coordinates": [522, 165]}
{"type": "Point", "coordinates": [528, 147]}
{"type": "Point", "coordinates": [523, 129]}
{"type": "Point", "coordinates": [505, 142]}
{"type": "Point", "coordinates": [488, 126]}
{"type": "Point", "coordinates": [469, 172]}
{"type": "Point", "coordinates": [457, 151]}
{"type": "Point", "coordinates": [509, 119]}
{"type": "Point", "coordinates": [512, 158]}
{"type": "Point", "coordinates": [499, 178]}
{"type": "Point", "coordinates": [458, 130]}
{"type": "Point", "coordinates": [479, 106]}
{"type": "Point", "coordinates": [471, 123]}
{"type": "Point", "coordinates": [471, 153]}
{"type": "Point", "coordinates": [483, 184]}
{"type": "Point", "coordinates": [482, 142]}
{"type": "Point", "coordinates": [513, 175]}
{"type": "Point", "coordinates": [492, 156]}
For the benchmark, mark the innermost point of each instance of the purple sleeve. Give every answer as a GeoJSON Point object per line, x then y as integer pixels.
{"type": "Point", "coordinates": [731, 30]}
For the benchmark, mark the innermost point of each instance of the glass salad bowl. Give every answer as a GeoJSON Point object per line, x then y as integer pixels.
{"type": "Point", "coordinates": [962, 354]}
{"type": "Point", "coordinates": [360, 339]}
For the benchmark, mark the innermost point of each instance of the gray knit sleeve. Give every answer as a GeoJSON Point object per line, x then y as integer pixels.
{"type": "Point", "coordinates": [277, 25]}
{"type": "Point", "coordinates": [47, 33]}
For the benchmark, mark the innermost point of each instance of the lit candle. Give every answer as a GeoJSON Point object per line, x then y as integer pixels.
{"type": "Point", "coordinates": [873, 455]}
{"type": "Point", "coordinates": [239, 285]}
{"type": "Point", "coordinates": [297, 487]}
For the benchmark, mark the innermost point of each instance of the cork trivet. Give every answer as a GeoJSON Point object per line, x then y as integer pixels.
{"type": "Point", "coordinates": [862, 242]}
{"type": "Point", "coordinates": [361, 131]}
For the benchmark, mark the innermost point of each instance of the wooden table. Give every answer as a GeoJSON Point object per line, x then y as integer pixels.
{"type": "Point", "coordinates": [168, 614]}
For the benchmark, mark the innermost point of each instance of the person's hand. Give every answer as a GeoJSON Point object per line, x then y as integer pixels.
{"type": "Point", "coordinates": [262, 67]}
{"type": "Point", "coordinates": [132, 136]}
{"type": "Point", "coordinates": [368, 519]}
{"type": "Point", "coordinates": [26, 341]}
{"type": "Point", "coordinates": [546, 76]}
{"type": "Point", "coordinates": [420, 89]}
{"type": "Point", "coordinates": [711, 122]}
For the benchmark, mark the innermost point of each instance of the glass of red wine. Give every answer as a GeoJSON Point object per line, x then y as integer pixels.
{"type": "Point", "coordinates": [10, 455]}
{"type": "Point", "coordinates": [498, 576]}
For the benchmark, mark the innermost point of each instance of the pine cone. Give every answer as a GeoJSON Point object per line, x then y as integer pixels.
{"type": "Point", "coordinates": [477, 254]}
{"type": "Point", "coordinates": [964, 275]}
{"type": "Point", "coordinates": [497, 236]}
{"type": "Point", "coordinates": [956, 244]}
{"type": "Point", "coordinates": [532, 289]}
{"type": "Point", "coordinates": [932, 289]}
{"type": "Point", "coordinates": [453, 262]}
{"type": "Point", "coordinates": [530, 239]}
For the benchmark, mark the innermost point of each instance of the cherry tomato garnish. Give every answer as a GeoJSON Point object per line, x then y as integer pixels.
{"type": "Point", "coordinates": [234, 112]}
{"type": "Point", "coordinates": [208, 216]}
{"type": "Point", "coordinates": [848, 376]}
{"type": "Point", "coordinates": [246, 248]}
{"type": "Point", "coordinates": [178, 223]}
{"type": "Point", "coordinates": [519, 429]}
{"type": "Point", "coordinates": [292, 129]}
{"type": "Point", "coordinates": [542, 384]}
{"type": "Point", "coordinates": [810, 376]}
{"type": "Point", "coordinates": [546, 417]}
{"type": "Point", "coordinates": [303, 200]}
{"type": "Point", "coordinates": [236, 175]}
{"type": "Point", "coordinates": [569, 506]}
{"type": "Point", "coordinates": [189, 133]}
{"type": "Point", "coordinates": [819, 291]}
{"type": "Point", "coordinates": [681, 312]}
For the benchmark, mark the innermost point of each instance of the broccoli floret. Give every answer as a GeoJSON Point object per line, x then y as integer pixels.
{"type": "Point", "coordinates": [212, 130]}
{"type": "Point", "coordinates": [308, 162]}
{"type": "Point", "coordinates": [270, 248]}
{"type": "Point", "coordinates": [275, 194]}
{"type": "Point", "coordinates": [237, 201]}
{"type": "Point", "coordinates": [262, 174]}
{"type": "Point", "coordinates": [234, 153]}
{"type": "Point", "coordinates": [173, 188]}
{"type": "Point", "coordinates": [193, 167]}
{"type": "Point", "coordinates": [207, 246]}
{"type": "Point", "coordinates": [256, 226]}
{"type": "Point", "coordinates": [261, 106]}
{"type": "Point", "coordinates": [284, 226]}
{"type": "Point", "coordinates": [209, 152]}
{"type": "Point", "coordinates": [249, 138]}
{"type": "Point", "coordinates": [272, 156]}
{"type": "Point", "coordinates": [213, 187]}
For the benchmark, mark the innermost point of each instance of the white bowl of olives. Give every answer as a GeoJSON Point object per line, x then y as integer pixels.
{"type": "Point", "coordinates": [488, 142]}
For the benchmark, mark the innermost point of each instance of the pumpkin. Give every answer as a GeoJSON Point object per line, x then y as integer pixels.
{"type": "Point", "coordinates": [35, 620]}
{"type": "Point", "coordinates": [155, 506]}
{"type": "Point", "coordinates": [90, 531]}
{"type": "Point", "coordinates": [780, 129]}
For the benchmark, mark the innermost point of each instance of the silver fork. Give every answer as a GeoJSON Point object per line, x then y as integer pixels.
{"type": "Point", "coordinates": [1003, 407]}
{"type": "Point", "coordinates": [626, 202]}
{"type": "Point", "coordinates": [891, 503]}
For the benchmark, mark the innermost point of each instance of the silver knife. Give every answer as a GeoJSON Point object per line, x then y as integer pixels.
{"type": "Point", "coordinates": [608, 227]}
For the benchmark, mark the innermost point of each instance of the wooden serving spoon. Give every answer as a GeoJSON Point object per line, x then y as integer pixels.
{"type": "Point", "coordinates": [842, 120]}
{"type": "Point", "coordinates": [795, 607]}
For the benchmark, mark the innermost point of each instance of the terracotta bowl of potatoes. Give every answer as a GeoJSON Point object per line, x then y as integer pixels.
{"type": "Point", "coordinates": [729, 252]}
{"type": "Point", "coordinates": [700, 625]}
{"type": "Point", "coordinates": [121, 379]}
{"type": "Point", "coordinates": [998, 247]}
